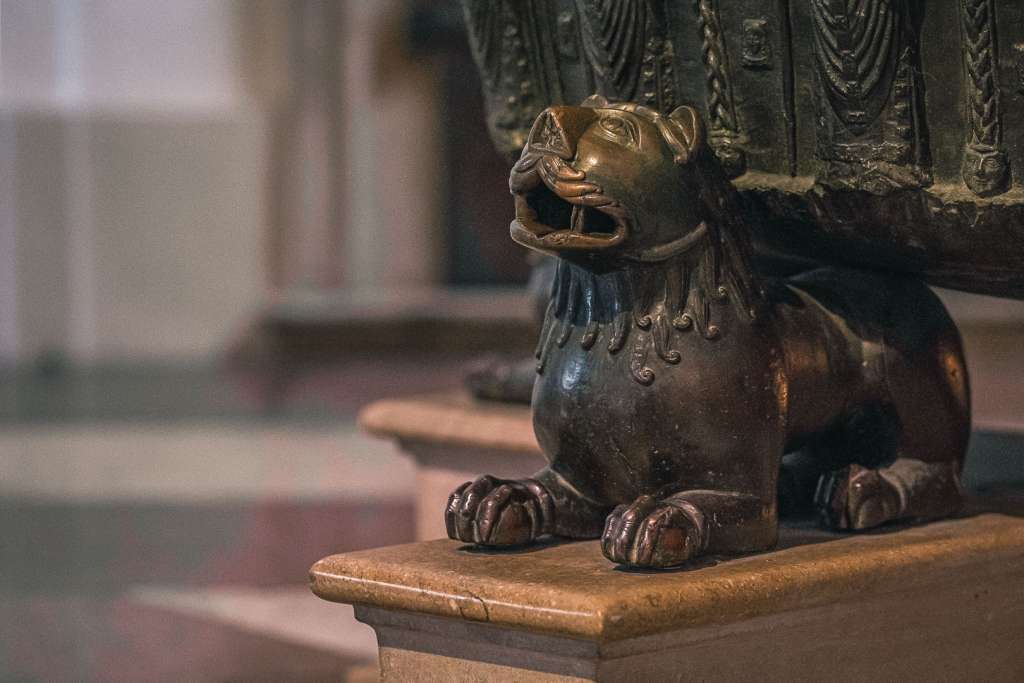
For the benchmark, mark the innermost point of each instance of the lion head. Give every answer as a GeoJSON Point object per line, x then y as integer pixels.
{"type": "Point", "coordinates": [612, 180]}
{"type": "Point", "coordinates": [652, 237]}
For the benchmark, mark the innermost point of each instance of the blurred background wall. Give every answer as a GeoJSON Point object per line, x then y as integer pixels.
{"type": "Point", "coordinates": [171, 169]}
{"type": "Point", "coordinates": [135, 157]}
{"type": "Point", "coordinates": [225, 225]}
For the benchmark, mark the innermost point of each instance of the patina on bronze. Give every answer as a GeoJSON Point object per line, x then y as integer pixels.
{"type": "Point", "coordinates": [879, 134]}
{"type": "Point", "coordinates": [874, 133]}
{"type": "Point", "coordinates": [672, 378]}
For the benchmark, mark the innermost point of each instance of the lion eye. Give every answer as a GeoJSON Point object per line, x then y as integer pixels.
{"type": "Point", "coordinates": [618, 127]}
{"type": "Point", "coordinates": [613, 125]}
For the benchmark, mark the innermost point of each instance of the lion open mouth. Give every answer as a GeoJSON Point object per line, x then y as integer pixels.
{"type": "Point", "coordinates": [557, 209]}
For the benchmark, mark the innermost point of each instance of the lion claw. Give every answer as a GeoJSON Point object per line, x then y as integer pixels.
{"type": "Point", "coordinates": [856, 498]}
{"type": "Point", "coordinates": [653, 533]}
{"type": "Point", "coordinates": [494, 512]}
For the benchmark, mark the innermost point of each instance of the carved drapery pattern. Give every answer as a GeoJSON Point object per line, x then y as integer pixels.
{"type": "Point", "coordinates": [871, 131]}
{"type": "Point", "coordinates": [625, 42]}
{"type": "Point", "coordinates": [870, 123]}
{"type": "Point", "coordinates": [986, 169]}
{"type": "Point", "coordinates": [854, 47]}
{"type": "Point", "coordinates": [613, 40]}
{"type": "Point", "coordinates": [506, 48]}
{"type": "Point", "coordinates": [723, 123]}
{"type": "Point", "coordinates": [628, 50]}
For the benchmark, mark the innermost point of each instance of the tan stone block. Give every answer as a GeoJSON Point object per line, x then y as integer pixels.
{"type": "Point", "coordinates": [943, 601]}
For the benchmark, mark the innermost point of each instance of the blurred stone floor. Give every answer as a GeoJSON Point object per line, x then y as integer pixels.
{"type": "Point", "coordinates": [157, 523]}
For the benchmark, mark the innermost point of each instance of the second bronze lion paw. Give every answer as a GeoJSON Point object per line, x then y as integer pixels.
{"type": "Point", "coordinates": [856, 498]}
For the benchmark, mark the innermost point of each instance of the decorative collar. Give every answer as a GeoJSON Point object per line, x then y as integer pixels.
{"type": "Point", "coordinates": [666, 251]}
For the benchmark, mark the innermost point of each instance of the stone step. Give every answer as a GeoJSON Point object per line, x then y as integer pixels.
{"type": "Point", "coordinates": [156, 635]}
{"type": "Point", "coordinates": [98, 508]}
{"type": "Point", "coordinates": [176, 551]}
{"type": "Point", "coordinates": [287, 614]}
{"type": "Point", "coordinates": [942, 601]}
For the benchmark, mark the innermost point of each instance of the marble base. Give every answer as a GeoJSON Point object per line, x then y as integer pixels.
{"type": "Point", "coordinates": [943, 601]}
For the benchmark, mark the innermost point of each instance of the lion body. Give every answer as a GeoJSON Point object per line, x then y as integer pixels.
{"type": "Point", "coordinates": [832, 366]}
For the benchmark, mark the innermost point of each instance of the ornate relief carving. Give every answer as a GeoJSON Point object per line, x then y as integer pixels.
{"type": "Point", "coordinates": [986, 168]}
{"type": "Point", "coordinates": [871, 136]}
{"type": "Point", "coordinates": [865, 128]}
{"type": "Point", "coordinates": [613, 40]}
{"type": "Point", "coordinates": [757, 48]}
{"type": "Point", "coordinates": [506, 45]}
{"type": "Point", "coordinates": [855, 47]}
{"type": "Point", "coordinates": [628, 49]}
{"type": "Point", "coordinates": [1018, 52]}
{"type": "Point", "coordinates": [723, 124]}
{"type": "Point", "coordinates": [568, 45]}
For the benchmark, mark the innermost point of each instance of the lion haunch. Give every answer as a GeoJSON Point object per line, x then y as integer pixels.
{"type": "Point", "coordinates": [672, 379]}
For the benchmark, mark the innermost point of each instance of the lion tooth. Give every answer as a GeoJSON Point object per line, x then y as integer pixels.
{"type": "Point", "coordinates": [577, 218]}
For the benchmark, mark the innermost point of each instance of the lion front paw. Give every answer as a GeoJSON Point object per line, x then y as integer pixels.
{"type": "Point", "coordinates": [653, 533]}
{"type": "Point", "coordinates": [497, 512]}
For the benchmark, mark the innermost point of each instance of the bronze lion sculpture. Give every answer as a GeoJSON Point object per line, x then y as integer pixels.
{"type": "Point", "coordinates": [658, 321]}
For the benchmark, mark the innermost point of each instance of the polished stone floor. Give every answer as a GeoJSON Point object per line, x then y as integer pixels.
{"type": "Point", "coordinates": [180, 552]}
{"type": "Point", "coordinates": [157, 523]}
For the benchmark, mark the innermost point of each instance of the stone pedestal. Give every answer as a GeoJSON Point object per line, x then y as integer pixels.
{"type": "Point", "coordinates": [944, 601]}
{"type": "Point", "coordinates": [454, 439]}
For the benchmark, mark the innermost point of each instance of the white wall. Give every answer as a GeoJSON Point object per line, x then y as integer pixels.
{"type": "Point", "coordinates": [393, 170]}
{"type": "Point", "coordinates": [133, 179]}
{"type": "Point", "coordinates": [166, 171]}
{"type": "Point", "coordinates": [364, 216]}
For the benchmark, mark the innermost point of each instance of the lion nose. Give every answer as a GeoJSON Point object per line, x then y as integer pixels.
{"type": "Point", "coordinates": [558, 128]}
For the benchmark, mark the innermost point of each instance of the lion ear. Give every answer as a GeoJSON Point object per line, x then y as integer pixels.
{"type": "Point", "coordinates": [688, 129]}
{"type": "Point", "coordinates": [595, 101]}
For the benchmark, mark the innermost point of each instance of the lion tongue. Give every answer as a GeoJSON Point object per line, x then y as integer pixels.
{"type": "Point", "coordinates": [576, 224]}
